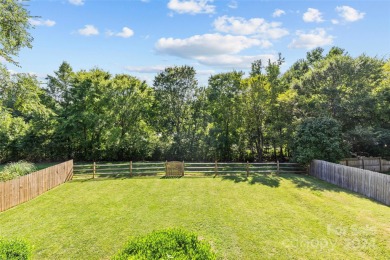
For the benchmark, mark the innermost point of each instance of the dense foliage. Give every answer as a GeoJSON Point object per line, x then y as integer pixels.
{"type": "Point", "coordinates": [16, 169]}
{"type": "Point", "coordinates": [318, 138]}
{"type": "Point", "coordinates": [15, 249]}
{"type": "Point", "coordinates": [94, 115]}
{"type": "Point", "coordinates": [166, 244]}
{"type": "Point", "coordinates": [14, 25]}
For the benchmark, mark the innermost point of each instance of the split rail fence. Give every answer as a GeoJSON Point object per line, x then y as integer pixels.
{"type": "Point", "coordinates": [191, 169]}
{"type": "Point", "coordinates": [371, 184]}
{"type": "Point", "coordinates": [25, 188]}
{"type": "Point", "coordinates": [375, 164]}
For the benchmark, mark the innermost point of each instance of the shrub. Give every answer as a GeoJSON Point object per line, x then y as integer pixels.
{"type": "Point", "coordinates": [166, 244]}
{"type": "Point", "coordinates": [15, 249]}
{"type": "Point", "coordinates": [14, 170]}
{"type": "Point", "coordinates": [318, 138]}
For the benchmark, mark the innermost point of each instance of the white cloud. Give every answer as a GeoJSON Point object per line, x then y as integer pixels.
{"type": "Point", "coordinates": [159, 68]}
{"type": "Point", "coordinates": [335, 21]}
{"type": "Point", "coordinates": [214, 49]}
{"type": "Point", "coordinates": [312, 15]}
{"type": "Point", "coordinates": [2, 60]}
{"type": "Point", "coordinates": [146, 69]}
{"type": "Point", "coordinates": [312, 39]}
{"type": "Point", "coordinates": [278, 13]}
{"type": "Point", "coordinates": [233, 4]}
{"type": "Point", "coordinates": [191, 6]}
{"type": "Point", "coordinates": [76, 2]}
{"type": "Point", "coordinates": [125, 33]}
{"type": "Point", "coordinates": [40, 22]}
{"type": "Point", "coordinates": [207, 44]}
{"type": "Point", "coordinates": [88, 30]}
{"type": "Point", "coordinates": [254, 26]}
{"type": "Point", "coordinates": [234, 61]}
{"type": "Point", "coordinates": [349, 14]}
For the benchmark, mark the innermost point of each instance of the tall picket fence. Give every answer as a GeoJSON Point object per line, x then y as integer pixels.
{"type": "Point", "coordinates": [25, 188]}
{"type": "Point", "coordinates": [368, 183]}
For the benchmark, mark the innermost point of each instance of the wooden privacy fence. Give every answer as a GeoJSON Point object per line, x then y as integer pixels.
{"type": "Point", "coordinates": [375, 164]}
{"type": "Point", "coordinates": [368, 183]}
{"type": "Point", "coordinates": [200, 169]}
{"type": "Point", "coordinates": [25, 188]}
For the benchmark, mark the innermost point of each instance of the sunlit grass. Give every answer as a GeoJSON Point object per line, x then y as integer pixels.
{"type": "Point", "coordinates": [266, 216]}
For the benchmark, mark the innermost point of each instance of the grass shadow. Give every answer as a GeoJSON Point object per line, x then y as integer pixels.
{"type": "Point", "coordinates": [171, 177]}
{"type": "Point", "coordinates": [234, 178]}
{"type": "Point", "coordinates": [270, 180]}
{"type": "Point", "coordinates": [312, 183]}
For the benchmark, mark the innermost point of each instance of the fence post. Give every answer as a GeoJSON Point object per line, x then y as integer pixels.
{"type": "Point", "coordinates": [216, 169]}
{"type": "Point", "coordinates": [131, 168]}
{"type": "Point", "coordinates": [363, 163]}
{"type": "Point", "coordinates": [247, 169]}
{"type": "Point", "coordinates": [94, 170]}
{"type": "Point", "coordinates": [183, 168]}
{"type": "Point", "coordinates": [166, 167]}
{"type": "Point", "coordinates": [380, 164]}
{"type": "Point", "coordinates": [346, 162]}
{"type": "Point", "coordinates": [277, 166]}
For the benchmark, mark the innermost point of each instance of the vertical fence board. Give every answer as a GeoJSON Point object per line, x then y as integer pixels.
{"type": "Point", "coordinates": [368, 183]}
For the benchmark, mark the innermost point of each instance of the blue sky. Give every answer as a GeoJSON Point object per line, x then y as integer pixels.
{"type": "Point", "coordinates": [141, 37]}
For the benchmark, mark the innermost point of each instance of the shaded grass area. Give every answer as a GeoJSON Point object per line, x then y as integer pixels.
{"type": "Point", "coordinates": [264, 216]}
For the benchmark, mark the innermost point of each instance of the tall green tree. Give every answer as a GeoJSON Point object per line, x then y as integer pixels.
{"type": "Point", "coordinates": [175, 91]}
{"type": "Point", "coordinates": [14, 26]}
{"type": "Point", "coordinates": [224, 105]}
{"type": "Point", "coordinates": [130, 134]}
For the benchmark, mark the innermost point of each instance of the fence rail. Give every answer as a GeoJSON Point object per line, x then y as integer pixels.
{"type": "Point", "coordinates": [25, 188]}
{"type": "Point", "coordinates": [375, 164]}
{"type": "Point", "coordinates": [368, 183]}
{"type": "Point", "coordinates": [194, 169]}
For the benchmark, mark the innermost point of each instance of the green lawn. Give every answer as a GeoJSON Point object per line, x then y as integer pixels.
{"type": "Point", "coordinates": [280, 217]}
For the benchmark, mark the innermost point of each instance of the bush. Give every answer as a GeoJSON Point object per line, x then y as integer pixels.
{"type": "Point", "coordinates": [15, 249]}
{"type": "Point", "coordinates": [166, 244]}
{"type": "Point", "coordinates": [318, 138]}
{"type": "Point", "coordinates": [17, 169]}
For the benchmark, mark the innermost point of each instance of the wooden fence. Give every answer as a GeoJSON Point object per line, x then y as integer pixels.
{"type": "Point", "coordinates": [368, 183]}
{"type": "Point", "coordinates": [25, 188]}
{"type": "Point", "coordinates": [202, 169]}
{"type": "Point", "coordinates": [375, 164]}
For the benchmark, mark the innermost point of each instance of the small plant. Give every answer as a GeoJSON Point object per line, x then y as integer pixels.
{"type": "Point", "coordinates": [17, 169]}
{"type": "Point", "coordinates": [166, 244]}
{"type": "Point", "coordinates": [15, 249]}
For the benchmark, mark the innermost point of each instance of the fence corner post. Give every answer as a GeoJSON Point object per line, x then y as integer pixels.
{"type": "Point", "coordinates": [94, 170]}
{"type": "Point", "coordinates": [277, 167]}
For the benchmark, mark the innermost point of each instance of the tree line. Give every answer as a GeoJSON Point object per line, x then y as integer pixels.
{"type": "Point", "coordinates": [325, 106]}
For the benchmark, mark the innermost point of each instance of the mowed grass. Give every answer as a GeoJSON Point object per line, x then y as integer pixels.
{"type": "Point", "coordinates": [267, 216]}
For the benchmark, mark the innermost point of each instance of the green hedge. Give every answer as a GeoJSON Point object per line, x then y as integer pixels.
{"type": "Point", "coordinates": [15, 249]}
{"type": "Point", "coordinates": [166, 244]}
